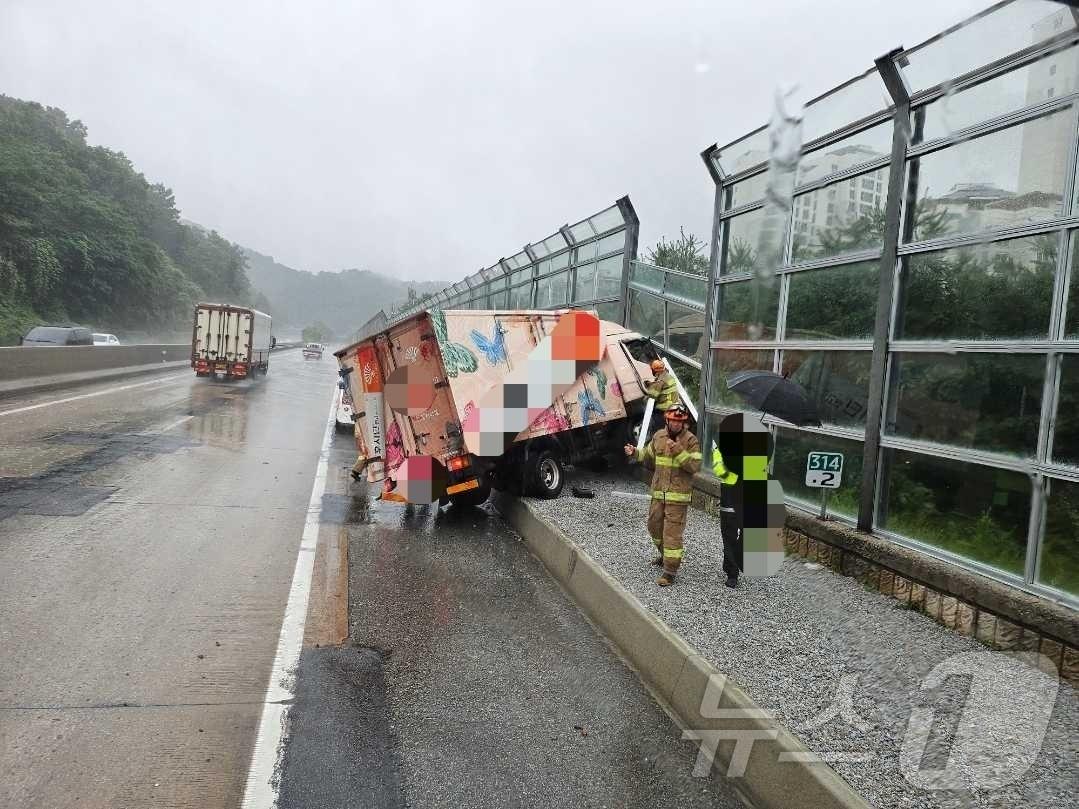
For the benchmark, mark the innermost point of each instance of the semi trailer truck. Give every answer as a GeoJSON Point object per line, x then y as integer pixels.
{"type": "Point", "coordinates": [450, 386]}
{"type": "Point", "coordinates": [230, 342]}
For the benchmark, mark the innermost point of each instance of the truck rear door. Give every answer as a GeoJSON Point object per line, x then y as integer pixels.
{"type": "Point", "coordinates": [242, 327]}
{"type": "Point", "coordinates": [431, 416]}
{"type": "Point", "coordinates": [202, 334]}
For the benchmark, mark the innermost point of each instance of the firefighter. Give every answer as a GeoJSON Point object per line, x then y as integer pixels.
{"type": "Point", "coordinates": [664, 389]}
{"type": "Point", "coordinates": [675, 455]}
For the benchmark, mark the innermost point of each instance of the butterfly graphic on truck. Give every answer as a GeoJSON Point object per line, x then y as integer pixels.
{"type": "Point", "coordinates": [456, 357]}
{"type": "Point", "coordinates": [494, 349]}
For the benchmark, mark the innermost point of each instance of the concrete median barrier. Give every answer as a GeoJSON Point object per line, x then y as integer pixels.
{"type": "Point", "coordinates": [24, 369]}
{"type": "Point", "coordinates": [778, 770]}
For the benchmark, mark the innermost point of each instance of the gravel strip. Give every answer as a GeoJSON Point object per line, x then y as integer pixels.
{"type": "Point", "coordinates": [791, 639]}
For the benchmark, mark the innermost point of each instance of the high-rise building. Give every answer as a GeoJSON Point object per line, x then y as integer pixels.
{"type": "Point", "coordinates": [840, 204]}
{"type": "Point", "coordinates": [1046, 141]}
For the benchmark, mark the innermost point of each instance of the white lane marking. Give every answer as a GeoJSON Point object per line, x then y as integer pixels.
{"type": "Point", "coordinates": [88, 395]}
{"type": "Point", "coordinates": [262, 784]}
{"type": "Point", "coordinates": [176, 423]}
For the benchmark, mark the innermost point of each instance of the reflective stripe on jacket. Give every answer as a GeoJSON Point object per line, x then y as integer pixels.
{"type": "Point", "coordinates": [676, 461]}
{"type": "Point", "coordinates": [664, 389]}
{"type": "Point", "coordinates": [720, 470]}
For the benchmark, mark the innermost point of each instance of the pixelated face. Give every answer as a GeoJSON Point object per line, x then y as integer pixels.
{"type": "Point", "coordinates": [410, 390]}
{"type": "Point", "coordinates": [421, 479]}
{"type": "Point", "coordinates": [552, 367]}
{"type": "Point", "coordinates": [746, 445]}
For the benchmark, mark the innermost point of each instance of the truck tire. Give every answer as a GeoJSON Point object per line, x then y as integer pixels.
{"type": "Point", "coordinates": [546, 475]}
{"type": "Point", "coordinates": [473, 497]}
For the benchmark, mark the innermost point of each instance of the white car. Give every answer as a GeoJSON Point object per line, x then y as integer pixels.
{"type": "Point", "coordinates": [313, 351]}
{"type": "Point", "coordinates": [105, 339]}
{"type": "Point", "coordinates": [344, 408]}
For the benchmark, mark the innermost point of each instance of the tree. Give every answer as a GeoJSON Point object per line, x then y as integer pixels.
{"type": "Point", "coordinates": [741, 257]}
{"type": "Point", "coordinates": [317, 333]}
{"type": "Point", "coordinates": [687, 253]}
{"type": "Point", "coordinates": [84, 236]}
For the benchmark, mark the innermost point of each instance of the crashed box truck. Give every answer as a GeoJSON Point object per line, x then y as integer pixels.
{"type": "Point", "coordinates": [450, 404]}
{"type": "Point", "coordinates": [230, 342]}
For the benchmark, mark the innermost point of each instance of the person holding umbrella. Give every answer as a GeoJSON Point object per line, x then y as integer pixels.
{"type": "Point", "coordinates": [740, 459]}
{"type": "Point", "coordinates": [730, 517]}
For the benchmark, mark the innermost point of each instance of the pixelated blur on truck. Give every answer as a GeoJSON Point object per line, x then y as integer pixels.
{"type": "Point", "coordinates": [465, 354]}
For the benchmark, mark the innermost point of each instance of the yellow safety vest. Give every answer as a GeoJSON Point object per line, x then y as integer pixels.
{"type": "Point", "coordinates": [720, 470]}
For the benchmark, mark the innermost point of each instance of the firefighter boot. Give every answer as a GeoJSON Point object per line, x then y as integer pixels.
{"type": "Point", "coordinates": [666, 580]}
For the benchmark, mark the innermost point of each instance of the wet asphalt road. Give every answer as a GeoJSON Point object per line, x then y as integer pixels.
{"type": "Point", "coordinates": [470, 679]}
{"type": "Point", "coordinates": [147, 542]}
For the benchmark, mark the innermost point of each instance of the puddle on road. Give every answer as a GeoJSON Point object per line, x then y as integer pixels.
{"type": "Point", "coordinates": [219, 419]}
{"type": "Point", "coordinates": [59, 492]}
{"type": "Point", "coordinates": [340, 724]}
{"type": "Point", "coordinates": [346, 509]}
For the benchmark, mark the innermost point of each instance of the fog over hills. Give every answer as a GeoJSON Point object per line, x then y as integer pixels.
{"type": "Point", "coordinates": [342, 300]}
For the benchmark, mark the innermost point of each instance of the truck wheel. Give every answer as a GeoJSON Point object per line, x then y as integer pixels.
{"type": "Point", "coordinates": [473, 497]}
{"type": "Point", "coordinates": [548, 475]}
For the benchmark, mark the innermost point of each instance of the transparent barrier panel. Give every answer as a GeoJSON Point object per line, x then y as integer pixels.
{"type": "Point", "coordinates": [1000, 290]}
{"type": "Point", "coordinates": [974, 511]}
{"type": "Point", "coordinates": [983, 401]}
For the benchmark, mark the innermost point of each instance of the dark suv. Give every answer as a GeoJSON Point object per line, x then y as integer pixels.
{"type": "Point", "coordinates": [58, 336]}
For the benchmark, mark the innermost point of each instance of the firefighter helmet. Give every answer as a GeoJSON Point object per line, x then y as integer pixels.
{"type": "Point", "coordinates": [677, 412]}
{"type": "Point", "coordinates": [658, 367]}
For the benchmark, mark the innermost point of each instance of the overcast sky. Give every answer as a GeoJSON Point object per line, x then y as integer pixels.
{"type": "Point", "coordinates": [425, 140]}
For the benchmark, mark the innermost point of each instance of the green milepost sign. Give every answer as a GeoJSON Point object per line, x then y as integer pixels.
{"type": "Point", "coordinates": [824, 470]}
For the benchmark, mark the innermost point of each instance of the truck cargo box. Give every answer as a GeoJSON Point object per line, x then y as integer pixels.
{"type": "Point", "coordinates": [230, 341]}
{"type": "Point", "coordinates": [416, 384]}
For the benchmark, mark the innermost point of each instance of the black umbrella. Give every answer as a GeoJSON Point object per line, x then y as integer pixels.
{"type": "Point", "coordinates": [773, 394]}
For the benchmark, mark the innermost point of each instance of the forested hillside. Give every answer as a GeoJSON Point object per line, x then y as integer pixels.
{"type": "Point", "coordinates": [84, 237]}
{"type": "Point", "coordinates": [342, 300]}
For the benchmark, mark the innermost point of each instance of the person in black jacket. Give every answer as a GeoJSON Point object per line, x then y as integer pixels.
{"type": "Point", "coordinates": [740, 457]}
